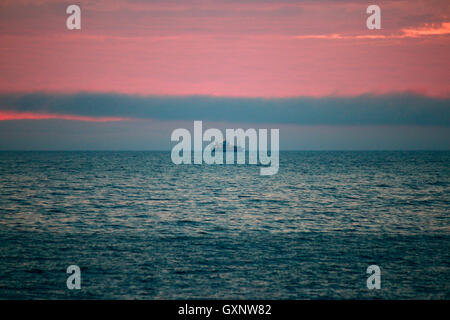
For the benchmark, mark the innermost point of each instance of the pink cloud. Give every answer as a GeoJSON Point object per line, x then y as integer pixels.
{"type": "Point", "coordinates": [228, 48]}
{"type": "Point", "coordinates": [428, 30]}
{"type": "Point", "coordinates": [12, 115]}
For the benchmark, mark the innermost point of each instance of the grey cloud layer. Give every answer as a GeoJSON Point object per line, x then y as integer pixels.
{"type": "Point", "coordinates": [396, 109]}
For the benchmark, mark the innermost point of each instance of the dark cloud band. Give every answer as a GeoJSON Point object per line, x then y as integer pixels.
{"type": "Point", "coordinates": [395, 109]}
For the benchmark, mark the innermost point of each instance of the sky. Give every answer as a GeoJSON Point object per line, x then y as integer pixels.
{"type": "Point", "coordinates": [139, 69]}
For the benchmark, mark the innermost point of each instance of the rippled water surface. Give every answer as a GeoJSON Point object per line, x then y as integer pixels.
{"type": "Point", "coordinates": [140, 227]}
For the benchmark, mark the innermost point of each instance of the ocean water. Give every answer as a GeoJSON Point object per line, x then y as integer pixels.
{"type": "Point", "coordinates": [140, 227]}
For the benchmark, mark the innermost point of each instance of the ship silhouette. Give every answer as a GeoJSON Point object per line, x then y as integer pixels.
{"type": "Point", "coordinates": [225, 146]}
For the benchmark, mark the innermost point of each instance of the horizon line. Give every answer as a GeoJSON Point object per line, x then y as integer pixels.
{"type": "Point", "coordinates": [169, 150]}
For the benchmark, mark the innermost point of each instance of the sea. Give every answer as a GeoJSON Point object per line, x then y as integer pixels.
{"type": "Point", "coordinates": [140, 227]}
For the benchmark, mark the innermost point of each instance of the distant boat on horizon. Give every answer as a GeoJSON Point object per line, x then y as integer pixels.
{"type": "Point", "coordinates": [225, 146]}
